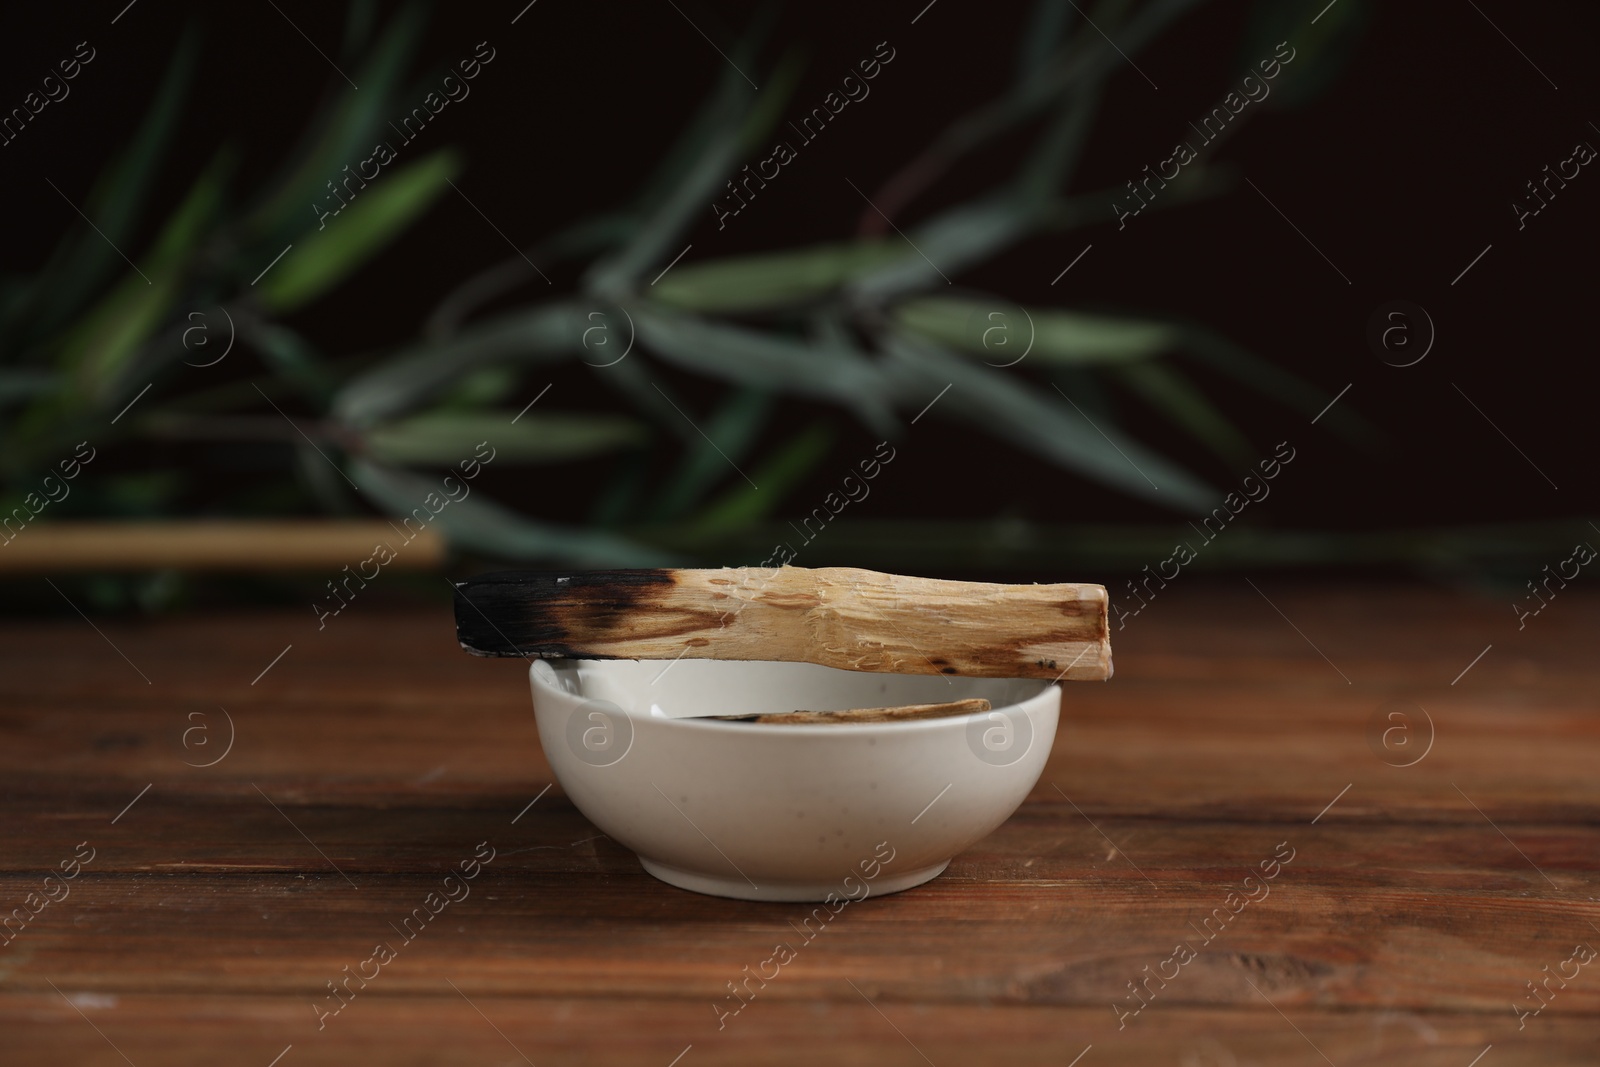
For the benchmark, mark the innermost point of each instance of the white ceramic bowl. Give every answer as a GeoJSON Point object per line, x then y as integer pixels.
{"type": "Point", "coordinates": [777, 812]}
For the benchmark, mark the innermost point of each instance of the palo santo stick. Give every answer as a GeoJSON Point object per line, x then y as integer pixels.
{"type": "Point", "coordinates": [896, 714]}
{"type": "Point", "coordinates": [836, 616]}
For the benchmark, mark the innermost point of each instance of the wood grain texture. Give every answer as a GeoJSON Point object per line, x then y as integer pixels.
{"type": "Point", "coordinates": [842, 617]}
{"type": "Point", "coordinates": [372, 758]}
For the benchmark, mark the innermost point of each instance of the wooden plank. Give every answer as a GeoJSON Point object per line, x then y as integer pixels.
{"type": "Point", "coordinates": [477, 1026]}
{"type": "Point", "coordinates": [1419, 902]}
{"type": "Point", "coordinates": [561, 909]}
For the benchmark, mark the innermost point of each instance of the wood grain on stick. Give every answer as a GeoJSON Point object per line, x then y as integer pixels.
{"type": "Point", "coordinates": [842, 617]}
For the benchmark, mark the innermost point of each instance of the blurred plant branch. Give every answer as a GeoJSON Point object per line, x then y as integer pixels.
{"type": "Point", "coordinates": [865, 323]}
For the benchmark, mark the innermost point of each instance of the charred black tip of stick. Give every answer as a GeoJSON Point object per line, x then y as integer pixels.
{"type": "Point", "coordinates": [482, 619]}
{"type": "Point", "coordinates": [530, 613]}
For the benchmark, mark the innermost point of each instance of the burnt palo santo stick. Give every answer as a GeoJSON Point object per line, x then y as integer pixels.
{"type": "Point", "coordinates": [901, 713]}
{"type": "Point", "coordinates": [842, 617]}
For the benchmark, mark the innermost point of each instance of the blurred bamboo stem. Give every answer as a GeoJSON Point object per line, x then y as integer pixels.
{"type": "Point", "coordinates": [221, 545]}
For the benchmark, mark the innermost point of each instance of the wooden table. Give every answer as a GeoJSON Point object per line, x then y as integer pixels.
{"type": "Point", "coordinates": [370, 759]}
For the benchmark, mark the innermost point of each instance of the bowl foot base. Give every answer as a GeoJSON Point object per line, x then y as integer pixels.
{"type": "Point", "coordinates": [739, 888]}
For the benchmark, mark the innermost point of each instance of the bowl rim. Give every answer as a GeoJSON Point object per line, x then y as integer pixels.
{"type": "Point", "coordinates": [824, 729]}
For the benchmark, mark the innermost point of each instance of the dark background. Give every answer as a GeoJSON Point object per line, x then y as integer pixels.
{"type": "Point", "coordinates": [1401, 172]}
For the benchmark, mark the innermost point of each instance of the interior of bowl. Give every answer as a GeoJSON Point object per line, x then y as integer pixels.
{"type": "Point", "coordinates": [688, 688]}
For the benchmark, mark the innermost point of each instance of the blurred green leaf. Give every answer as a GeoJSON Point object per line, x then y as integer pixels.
{"type": "Point", "coordinates": [98, 350]}
{"type": "Point", "coordinates": [476, 523]}
{"type": "Point", "coordinates": [770, 102]}
{"type": "Point", "coordinates": [83, 261]}
{"type": "Point", "coordinates": [482, 388]}
{"type": "Point", "coordinates": [181, 235]}
{"type": "Point", "coordinates": [966, 235]}
{"type": "Point", "coordinates": [18, 384]}
{"type": "Point", "coordinates": [101, 349]}
{"type": "Point", "coordinates": [1046, 27]}
{"type": "Point", "coordinates": [359, 21]}
{"type": "Point", "coordinates": [765, 361]}
{"type": "Point", "coordinates": [444, 438]}
{"type": "Point", "coordinates": [729, 433]}
{"type": "Point", "coordinates": [632, 378]}
{"type": "Point", "coordinates": [1169, 391]}
{"type": "Point", "coordinates": [379, 215]}
{"type": "Point", "coordinates": [619, 495]}
{"type": "Point", "coordinates": [119, 324]}
{"type": "Point", "coordinates": [774, 280]}
{"type": "Point", "coordinates": [1319, 51]}
{"type": "Point", "coordinates": [614, 276]}
{"type": "Point", "coordinates": [777, 475]}
{"type": "Point", "coordinates": [1088, 391]}
{"type": "Point", "coordinates": [1269, 379]}
{"type": "Point", "coordinates": [714, 114]}
{"type": "Point", "coordinates": [1046, 172]}
{"type": "Point", "coordinates": [432, 402]}
{"type": "Point", "coordinates": [1084, 62]}
{"type": "Point", "coordinates": [342, 135]}
{"type": "Point", "coordinates": [415, 377]}
{"type": "Point", "coordinates": [998, 403]}
{"type": "Point", "coordinates": [288, 354]}
{"type": "Point", "coordinates": [732, 120]}
{"type": "Point", "coordinates": [1143, 27]}
{"type": "Point", "coordinates": [324, 481]}
{"type": "Point", "coordinates": [937, 251]}
{"type": "Point", "coordinates": [1065, 337]}
{"type": "Point", "coordinates": [589, 237]}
